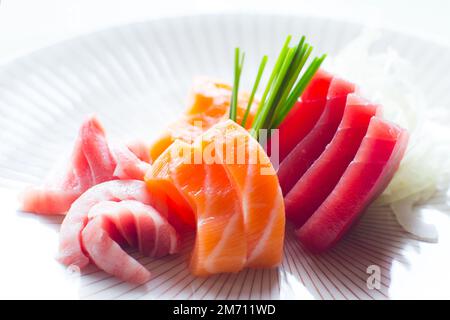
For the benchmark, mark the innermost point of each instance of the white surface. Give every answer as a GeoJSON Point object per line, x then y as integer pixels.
{"type": "Point", "coordinates": [136, 80]}
{"type": "Point", "coordinates": [28, 24]}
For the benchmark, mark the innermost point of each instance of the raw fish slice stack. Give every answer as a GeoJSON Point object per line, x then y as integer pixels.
{"type": "Point", "coordinates": [312, 145]}
{"type": "Point", "coordinates": [131, 222]}
{"type": "Point", "coordinates": [93, 161]}
{"type": "Point", "coordinates": [220, 244]}
{"type": "Point", "coordinates": [318, 181]}
{"type": "Point", "coordinates": [238, 206]}
{"type": "Point", "coordinates": [340, 166]}
{"type": "Point", "coordinates": [364, 179]}
{"type": "Point", "coordinates": [255, 180]}
{"type": "Point", "coordinates": [70, 247]}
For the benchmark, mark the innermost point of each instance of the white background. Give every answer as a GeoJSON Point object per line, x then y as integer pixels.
{"type": "Point", "coordinates": [26, 25]}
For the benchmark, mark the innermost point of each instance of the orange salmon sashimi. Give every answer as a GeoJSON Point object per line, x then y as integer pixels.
{"type": "Point", "coordinates": [209, 103]}
{"type": "Point", "coordinates": [220, 244]}
{"type": "Point", "coordinates": [256, 182]}
{"type": "Point", "coordinates": [237, 205]}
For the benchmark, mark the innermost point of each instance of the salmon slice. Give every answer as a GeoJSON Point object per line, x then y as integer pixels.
{"type": "Point", "coordinates": [309, 149]}
{"type": "Point", "coordinates": [256, 182]}
{"type": "Point", "coordinates": [365, 178]}
{"type": "Point", "coordinates": [320, 179]}
{"type": "Point", "coordinates": [304, 115]}
{"type": "Point", "coordinates": [237, 202]}
{"type": "Point", "coordinates": [149, 231]}
{"type": "Point", "coordinates": [92, 162]}
{"type": "Point", "coordinates": [220, 244]}
{"type": "Point", "coordinates": [209, 103]}
{"type": "Point", "coordinates": [70, 248]}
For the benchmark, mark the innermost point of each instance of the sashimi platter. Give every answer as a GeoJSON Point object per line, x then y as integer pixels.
{"type": "Point", "coordinates": [302, 172]}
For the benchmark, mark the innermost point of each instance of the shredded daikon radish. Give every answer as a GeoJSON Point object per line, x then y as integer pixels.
{"type": "Point", "coordinates": [385, 78]}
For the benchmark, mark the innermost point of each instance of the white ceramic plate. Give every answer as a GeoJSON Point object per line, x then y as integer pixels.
{"type": "Point", "coordinates": [136, 78]}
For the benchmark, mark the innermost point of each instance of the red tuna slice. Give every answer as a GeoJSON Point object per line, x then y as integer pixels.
{"type": "Point", "coordinates": [70, 247]}
{"type": "Point", "coordinates": [155, 237]}
{"type": "Point", "coordinates": [304, 115]}
{"type": "Point", "coordinates": [318, 88]}
{"type": "Point", "coordinates": [309, 149]}
{"type": "Point", "coordinates": [364, 179]}
{"type": "Point", "coordinates": [320, 179]}
{"type": "Point", "coordinates": [93, 161]}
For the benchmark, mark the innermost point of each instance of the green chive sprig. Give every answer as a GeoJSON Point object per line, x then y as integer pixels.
{"type": "Point", "coordinates": [285, 85]}
{"type": "Point", "coordinates": [238, 63]}
{"type": "Point", "coordinates": [262, 65]}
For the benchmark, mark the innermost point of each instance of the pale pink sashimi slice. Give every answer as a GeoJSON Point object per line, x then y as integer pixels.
{"type": "Point", "coordinates": [319, 180]}
{"type": "Point", "coordinates": [108, 255]}
{"type": "Point", "coordinates": [125, 232]}
{"type": "Point", "coordinates": [309, 149]}
{"type": "Point", "coordinates": [304, 115]}
{"type": "Point", "coordinates": [47, 201]}
{"type": "Point", "coordinates": [97, 152]}
{"type": "Point", "coordinates": [364, 179]}
{"type": "Point", "coordinates": [155, 237]}
{"type": "Point", "coordinates": [70, 248]}
{"type": "Point", "coordinates": [129, 166]}
{"type": "Point", "coordinates": [141, 225]}
{"type": "Point", "coordinates": [140, 149]}
{"type": "Point", "coordinates": [93, 161]}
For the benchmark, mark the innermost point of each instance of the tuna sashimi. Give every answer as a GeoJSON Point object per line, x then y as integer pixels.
{"type": "Point", "coordinates": [70, 248]}
{"type": "Point", "coordinates": [320, 179]}
{"type": "Point", "coordinates": [108, 255]}
{"type": "Point", "coordinates": [365, 178]}
{"type": "Point", "coordinates": [209, 103]}
{"type": "Point", "coordinates": [259, 191]}
{"type": "Point", "coordinates": [139, 225]}
{"type": "Point", "coordinates": [220, 244]}
{"type": "Point", "coordinates": [304, 115]}
{"type": "Point", "coordinates": [93, 161]}
{"type": "Point", "coordinates": [140, 150]}
{"type": "Point", "coordinates": [128, 166]}
{"type": "Point", "coordinates": [309, 149]}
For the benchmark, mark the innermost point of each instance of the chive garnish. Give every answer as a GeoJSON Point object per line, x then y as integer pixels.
{"type": "Point", "coordinates": [259, 114]}
{"type": "Point", "coordinates": [238, 63]}
{"type": "Point", "coordinates": [298, 90]}
{"type": "Point", "coordinates": [284, 87]}
{"type": "Point", "coordinates": [262, 65]}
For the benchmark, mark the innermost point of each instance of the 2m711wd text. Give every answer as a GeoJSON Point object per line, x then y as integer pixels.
{"type": "Point", "coordinates": [234, 309]}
